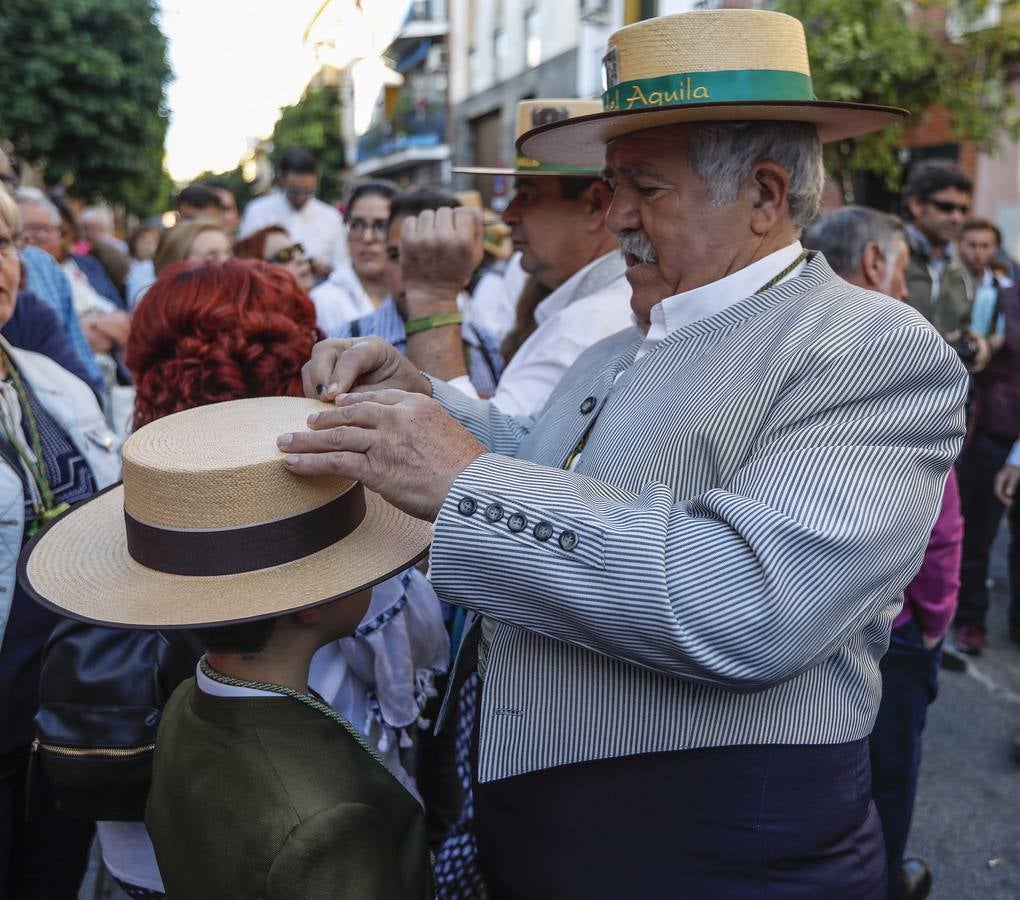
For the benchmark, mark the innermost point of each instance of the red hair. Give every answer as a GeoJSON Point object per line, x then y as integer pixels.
{"type": "Point", "coordinates": [254, 246]}
{"type": "Point", "coordinates": [207, 333]}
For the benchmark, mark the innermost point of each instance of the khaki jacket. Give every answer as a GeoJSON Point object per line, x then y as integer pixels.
{"type": "Point", "coordinates": [950, 310]}
{"type": "Point", "coordinates": [268, 798]}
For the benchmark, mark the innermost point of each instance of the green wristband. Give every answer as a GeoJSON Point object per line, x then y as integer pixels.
{"type": "Point", "coordinates": [427, 322]}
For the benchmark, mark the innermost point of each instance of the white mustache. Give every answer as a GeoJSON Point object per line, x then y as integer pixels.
{"type": "Point", "coordinates": [636, 243]}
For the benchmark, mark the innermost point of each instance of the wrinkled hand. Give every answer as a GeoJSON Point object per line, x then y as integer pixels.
{"type": "Point", "coordinates": [1006, 482]}
{"type": "Point", "coordinates": [439, 252]}
{"type": "Point", "coordinates": [356, 365]}
{"type": "Point", "coordinates": [400, 445]}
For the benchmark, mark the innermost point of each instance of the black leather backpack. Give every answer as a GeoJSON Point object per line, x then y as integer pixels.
{"type": "Point", "coordinates": [101, 695]}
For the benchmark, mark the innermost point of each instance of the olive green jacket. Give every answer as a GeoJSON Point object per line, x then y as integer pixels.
{"type": "Point", "coordinates": [950, 310]}
{"type": "Point", "coordinates": [268, 798]}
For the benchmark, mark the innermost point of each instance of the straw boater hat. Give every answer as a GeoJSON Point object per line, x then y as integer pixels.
{"type": "Point", "coordinates": [209, 526]}
{"type": "Point", "coordinates": [706, 66]}
{"type": "Point", "coordinates": [530, 114]}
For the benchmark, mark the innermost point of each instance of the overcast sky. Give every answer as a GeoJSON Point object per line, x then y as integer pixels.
{"type": "Point", "coordinates": [236, 63]}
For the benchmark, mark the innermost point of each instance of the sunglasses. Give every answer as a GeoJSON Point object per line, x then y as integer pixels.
{"type": "Point", "coordinates": [947, 207]}
{"type": "Point", "coordinates": [287, 254]}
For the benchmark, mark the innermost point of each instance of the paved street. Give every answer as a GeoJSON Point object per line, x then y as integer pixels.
{"type": "Point", "coordinates": [967, 818]}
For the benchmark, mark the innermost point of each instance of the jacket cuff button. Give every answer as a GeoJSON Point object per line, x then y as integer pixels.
{"type": "Point", "coordinates": [467, 506]}
{"type": "Point", "coordinates": [568, 540]}
{"type": "Point", "coordinates": [493, 512]}
{"type": "Point", "coordinates": [543, 531]}
{"type": "Point", "coordinates": [517, 522]}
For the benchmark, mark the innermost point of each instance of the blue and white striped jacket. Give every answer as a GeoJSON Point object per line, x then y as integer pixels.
{"type": "Point", "coordinates": [724, 564]}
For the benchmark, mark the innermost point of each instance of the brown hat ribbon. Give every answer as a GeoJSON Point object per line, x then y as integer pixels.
{"type": "Point", "coordinates": [230, 551]}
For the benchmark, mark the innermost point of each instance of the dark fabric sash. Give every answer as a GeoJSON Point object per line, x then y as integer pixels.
{"type": "Point", "coordinates": [235, 550]}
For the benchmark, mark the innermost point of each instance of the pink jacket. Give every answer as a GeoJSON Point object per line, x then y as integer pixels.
{"type": "Point", "coordinates": [931, 597]}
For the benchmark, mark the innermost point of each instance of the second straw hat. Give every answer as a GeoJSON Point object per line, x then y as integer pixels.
{"type": "Point", "coordinates": [530, 114]}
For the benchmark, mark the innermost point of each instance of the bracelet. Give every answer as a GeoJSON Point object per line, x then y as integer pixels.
{"type": "Point", "coordinates": [427, 322]}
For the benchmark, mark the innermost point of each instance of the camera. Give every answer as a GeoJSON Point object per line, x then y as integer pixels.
{"type": "Point", "coordinates": [966, 348]}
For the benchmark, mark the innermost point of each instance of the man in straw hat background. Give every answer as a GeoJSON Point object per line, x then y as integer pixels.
{"type": "Point", "coordinates": [696, 549]}
{"type": "Point", "coordinates": [557, 223]}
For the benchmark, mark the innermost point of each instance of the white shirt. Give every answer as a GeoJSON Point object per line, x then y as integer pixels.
{"type": "Point", "coordinates": [317, 226]}
{"type": "Point", "coordinates": [340, 299]}
{"type": "Point", "coordinates": [569, 322]}
{"type": "Point", "coordinates": [494, 306]}
{"type": "Point", "coordinates": [685, 308]}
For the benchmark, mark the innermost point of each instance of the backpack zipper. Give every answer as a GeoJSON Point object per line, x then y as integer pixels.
{"type": "Point", "coordinates": [92, 751]}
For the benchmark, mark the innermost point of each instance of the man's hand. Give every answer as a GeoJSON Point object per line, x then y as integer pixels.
{"type": "Point", "coordinates": [439, 252]}
{"type": "Point", "coordinates": [402, 446]}
{"type": "Point", "coordinates": [1005, 484]}
{"type": "Point", "coordinates": [355, 365]}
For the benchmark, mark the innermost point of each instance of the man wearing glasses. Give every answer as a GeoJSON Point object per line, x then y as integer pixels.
{"type": "Point", "coordinates": [314, 224]}
{"type": "Point", "coordinates": [936, 201]}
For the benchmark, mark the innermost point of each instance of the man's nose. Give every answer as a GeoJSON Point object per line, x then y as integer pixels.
{"type": "Point", "coordinates": [622, 214]}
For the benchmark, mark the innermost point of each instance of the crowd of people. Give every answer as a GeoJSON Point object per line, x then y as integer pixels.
{"type": "Point", "coordinates": [710, 474]}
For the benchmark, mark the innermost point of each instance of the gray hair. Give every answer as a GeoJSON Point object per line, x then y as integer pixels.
{"type": "Point", "coordinates": [843, 234]}
{"type": "Point", "coordinates": [723, 154]}
{"type": "Point", "coordinates": [31, 196]}
{"type": "Point", "coordinates": [101, 214]}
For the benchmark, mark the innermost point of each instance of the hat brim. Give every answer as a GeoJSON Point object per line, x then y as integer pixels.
{"type": "Point", "coordinates": [582, 141]}
{"type": "Point", "coordinates": [80, 567]}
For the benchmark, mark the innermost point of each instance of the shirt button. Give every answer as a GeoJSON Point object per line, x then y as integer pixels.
{"type": "Point", "coordinates": [517, 522]}
{"type": "Point", "coordinates": [568, 540]}
{"type": "Point", "coordinates": [587, 405]}
{"type": "Point", "coordinates": [467, 507]}
{"type": "Point", "coordinates": [493, 512]}
{"type": "Point", "coordinates": [543, 531]}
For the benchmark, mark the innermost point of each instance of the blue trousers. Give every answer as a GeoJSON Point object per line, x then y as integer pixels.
{"type": "Point", "coordinates": [909, 684]}
{"type": "Point", "coordinates": [724, 823]}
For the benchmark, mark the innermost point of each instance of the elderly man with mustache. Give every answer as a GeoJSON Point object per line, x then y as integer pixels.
{"type": "Point", "coordinates": [692, 556]}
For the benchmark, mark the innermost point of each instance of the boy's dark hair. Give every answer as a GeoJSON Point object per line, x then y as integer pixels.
{"type": "Point", "coordinates": [933, 175]}
{"type": "Point", "coordinates": [982, 225]}
{"type": "Point", "coordinates": [299, 161]}
{"type": "Point", "coordinates": [237, 637]}
{"type": "Point", "coordinates": [198, 195]}
{"type": "Point", "coordinates": [378, 188]}
{"type": "Point", "coordinates": [411, 203]}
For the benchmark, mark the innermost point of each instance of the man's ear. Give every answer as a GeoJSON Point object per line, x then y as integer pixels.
{"type": "Point", "coordinates": [597, 198]}
{"type": "Point", "coordinates": [769, 187]}
{"type": "Point", "coordinates": [872, 266]}
{"type": "Point", "coordinates": [915, 207]}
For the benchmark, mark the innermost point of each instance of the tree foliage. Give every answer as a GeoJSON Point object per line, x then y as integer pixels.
{"type": "Point", "coordinates": [314, 123]}
{"type": "Point", "coordinates": [898, 54]}
{"type": "Point", "coordinates": [84, 95]}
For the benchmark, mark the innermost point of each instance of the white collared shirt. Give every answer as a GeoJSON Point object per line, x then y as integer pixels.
{"type": "Point", "coordinates": [317, 226]}
{"type": "Point", "coordinates": [568, 325]}
{"type": "Point", "coordinates": [683, 309]}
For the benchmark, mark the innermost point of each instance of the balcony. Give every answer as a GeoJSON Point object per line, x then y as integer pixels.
{"type": "Point", "coordinates": [415, 133]}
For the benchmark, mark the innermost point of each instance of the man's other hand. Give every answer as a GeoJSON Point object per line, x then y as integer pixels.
{"type": "Point", "coordinates": [439, 252]}
{"type": "Point", "coordinates": [353, 365]}
{"type": "Point", "coordinates": [1005, 484]}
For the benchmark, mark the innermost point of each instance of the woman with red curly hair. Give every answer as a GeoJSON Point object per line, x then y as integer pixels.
{"type": "Point", "coordinates": [274, 245]}
{"type": "Point", "coordinates": [208, 333]}
{"type": "Point", "coordinates": [204, 334]}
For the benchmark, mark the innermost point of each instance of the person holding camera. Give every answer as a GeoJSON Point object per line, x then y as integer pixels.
{"type": "Point", "coordinates": [936, 201]}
